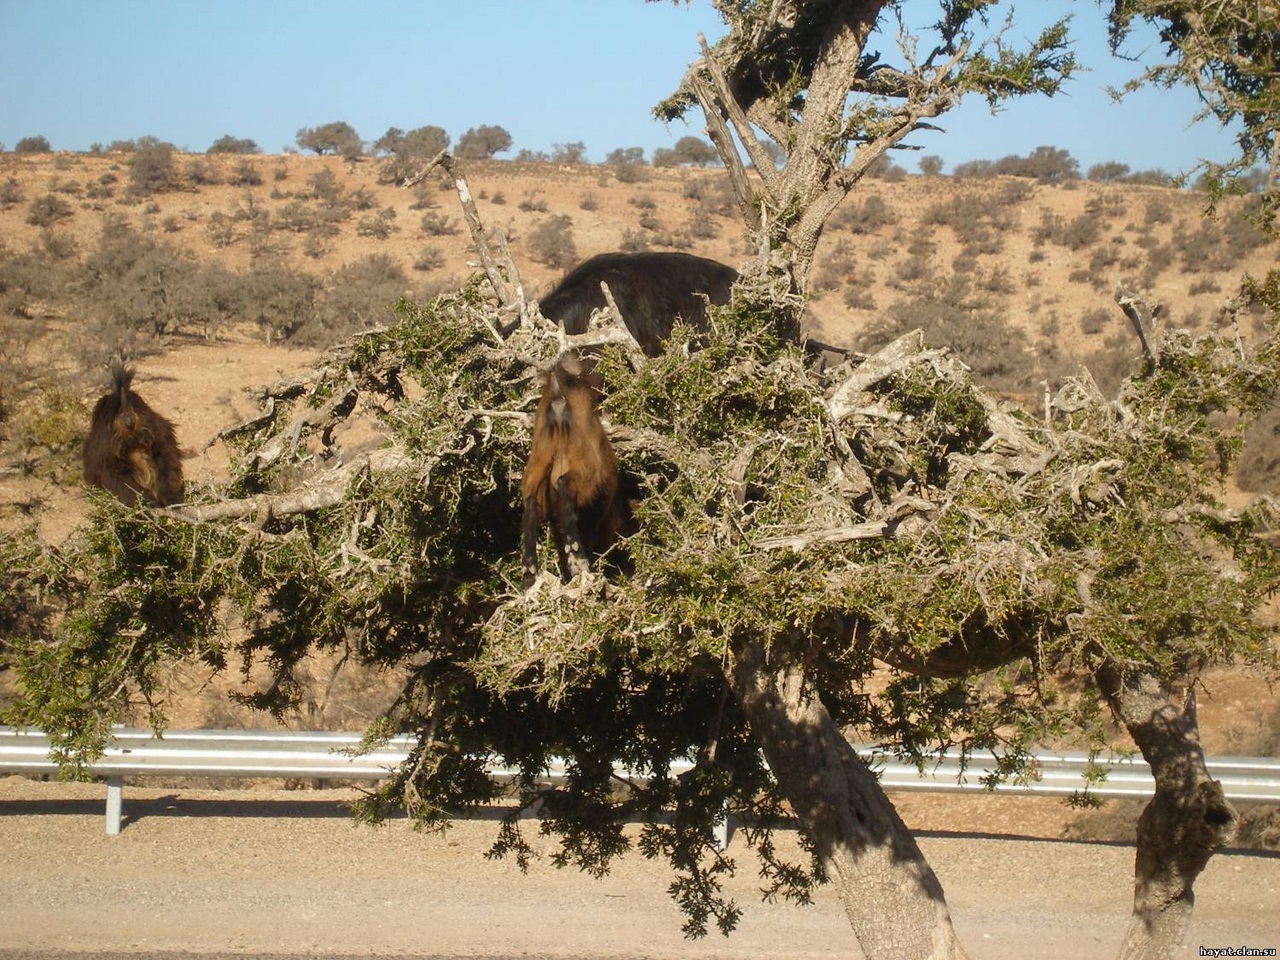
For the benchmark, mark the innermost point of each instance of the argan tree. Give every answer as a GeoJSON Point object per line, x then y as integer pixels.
{"type": "Point", "coordinates": [33, 145]}
{"type": "Point", "coordinates": [1229, 53]}
{"type": "Point", "coordinates": [408, 151]}
{"type": "Point", "coordinates": [880, 549]}
{"type": "Point", "coordinates": [336, 138]}
{"type": "Point", "coordinates": [153, 167]}
{"type": "Point", "coordinates": [693, 151]}
{"type": "Point", "coordinates": [229, 144]}
{"type": "Point", "coordinates": [483, 142]}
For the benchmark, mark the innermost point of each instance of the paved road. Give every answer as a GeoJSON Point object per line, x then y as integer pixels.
{"type": "Point", "coordinates": [285, 875]}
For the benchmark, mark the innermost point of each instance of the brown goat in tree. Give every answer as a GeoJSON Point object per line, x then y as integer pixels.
{"type": "Point", "coordinates": [131, 451]}
{"type": "Point", "coordinates": [652, 291]}
{"type": "Point", "coordinates": [571, 477]}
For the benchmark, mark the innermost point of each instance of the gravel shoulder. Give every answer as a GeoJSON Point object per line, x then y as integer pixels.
{"type": "Point", "coordinates": [269, 872]}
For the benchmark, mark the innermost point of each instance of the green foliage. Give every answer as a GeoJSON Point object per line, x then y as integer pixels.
{"type": "Point", "coordinates": [1229, 53]}
{"type": "Point", "coordinates": [770, 57]}
{"type": "Point", "coordinates": [1022, 552]}
{"type": "Point", "coordinates": [409, 152]}
{"type": "Point", "coordinates": [481, 143]}
{"type": "Point", "coordinates": [947, 571]}
{"type": "Point", "coordinates": [55, 420]}
{"type": "Point", "coordinates": [337, 137]}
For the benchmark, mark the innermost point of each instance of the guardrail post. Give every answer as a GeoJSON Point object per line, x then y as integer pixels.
{"type": "Point", "coordinates": [722, 833]}
{"type": "Point", "coordinates": [115, 800]}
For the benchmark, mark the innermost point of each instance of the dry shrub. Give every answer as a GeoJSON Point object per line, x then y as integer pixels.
{"type": "Point", "coordinates": [1258, 469]}
{"type": "Point", "coordinates": [47, 210]}
{"type": "Point", "coordinates": [951, 313]}
{"type": "Point", "coordinates": [713, 197]}
{"type": "Point", "coordinates": [865, 217]}
{"type": "Point", "coordinates": [281, 301]}
{"type": "Point", "coordinates": [833, 269]}
{"type": "Point", "coordinates": [424, 199]}
{"type": "Point", "coordinates": [48, 429]}
{"type": "Point", "coordinates": [1096, 321]}
{"type": "Point", "coordinates": [429, 258]}
{"type": "Point", "coordinates": [379, 226]}
{"type": "Point", "coordinates": [1075, 234]}
{"type": "Point", "coordinates": [153, 168]}
{"type": "Point", "coordinates": [199, 172]}
{"type": "Point", "coordinates": [551, 242]}
{"type": "Point", "coordinates": [633, 241]}
{"type": "Point", "coordinates": [1157, 210]}
{"type": "Point", "coordinates": [10, 193]}
{"type": "Point", "coordinates": [531, 203]}
{"type": "Point", "coordinates": [247, 174]}
{"type": "Point", "coordinates": [359, 296]}
{"type": "Point", "coordinates": [438, 225]}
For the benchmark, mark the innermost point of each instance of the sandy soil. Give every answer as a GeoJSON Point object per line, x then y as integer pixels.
{"type": "Point", "coordinates": [284, 873]}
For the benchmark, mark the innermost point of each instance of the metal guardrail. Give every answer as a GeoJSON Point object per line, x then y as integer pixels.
{"type": "Point", "coordinates": [327, 756]}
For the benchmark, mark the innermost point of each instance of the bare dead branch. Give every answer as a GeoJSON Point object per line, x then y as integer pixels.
{"type": "Point", "coordinates": [323, 492]}
{"type": "Point", "coordinates": [503, 276]}
{"type": "Point", "coordinates": [1142, 315]}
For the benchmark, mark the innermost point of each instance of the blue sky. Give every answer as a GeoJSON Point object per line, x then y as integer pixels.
{"type": "Point", "coordinates": [80, 72]}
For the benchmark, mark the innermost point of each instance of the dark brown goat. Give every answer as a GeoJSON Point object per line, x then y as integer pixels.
{"type": "Point", "coordinates": [131, 451]}
{"type": "Point", "coordinates": [652, 291]}
{"type": "Point", "coordinates": [571, 477]}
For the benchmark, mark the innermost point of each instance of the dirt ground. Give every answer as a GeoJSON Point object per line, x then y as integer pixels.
{"type": "Point", "coordinates": [270, 872]}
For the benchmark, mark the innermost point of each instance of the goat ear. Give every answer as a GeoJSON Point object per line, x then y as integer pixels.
{"type": "Point", "coordinates": [122, 377]}
{"type": "Point", "coordinates": [571, 363]}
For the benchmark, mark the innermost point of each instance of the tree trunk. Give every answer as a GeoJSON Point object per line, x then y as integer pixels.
{"type": "Point", "coordinates": [893, 900]}
{"type": "Point", "coordinates": [1186, 822]}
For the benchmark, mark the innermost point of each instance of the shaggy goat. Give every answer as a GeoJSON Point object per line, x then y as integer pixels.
{"type": "Point", "coordinates": [571, 477]}
{"type": "Point", "coordinates": [652, 291]}
{"type": "Point", "coordinates": [131, 451]}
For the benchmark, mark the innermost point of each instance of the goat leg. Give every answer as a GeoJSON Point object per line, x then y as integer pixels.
{"type": "Point", "coordinates": [529, 553]}
{"type": "Point", "coordinates": [575, 557]}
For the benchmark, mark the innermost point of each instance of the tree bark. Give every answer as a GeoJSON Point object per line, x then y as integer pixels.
{"type": "Point", "coordinates": [893, 899]}
{"type": "Point", "coordinates": [1186, 822]}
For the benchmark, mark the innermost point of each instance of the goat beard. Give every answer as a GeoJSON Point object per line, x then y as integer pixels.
{"type": "Point", "coordinates": [143, 468]}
